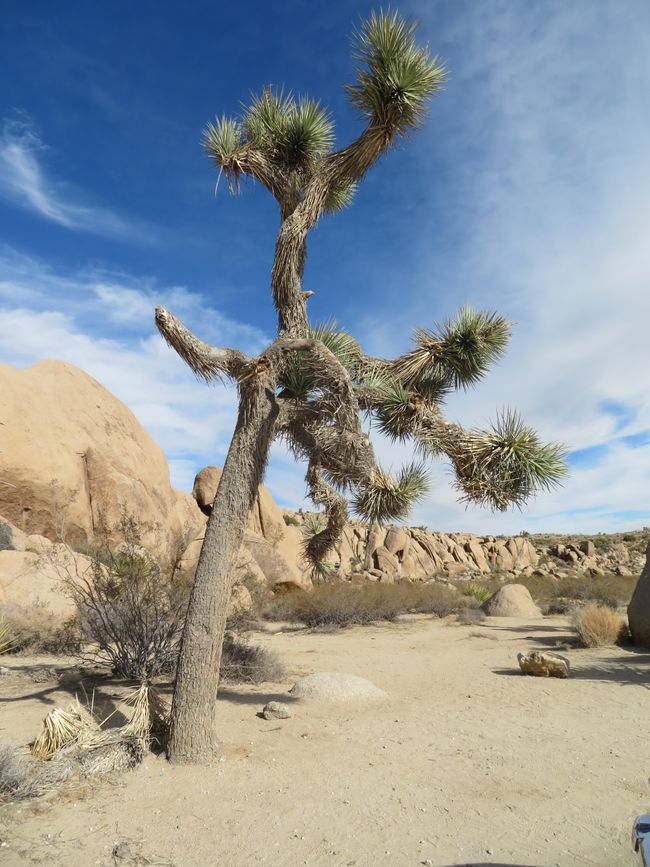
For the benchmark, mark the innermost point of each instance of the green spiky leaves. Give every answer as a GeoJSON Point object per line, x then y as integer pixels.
{"type": "Point", "coordinates": [388, 498]}
{"type": "Point", "coordinates": [395, 410]}
{"type": "Point", "coordinates": [293, 132]}
{"type": "Point", "coordinates": [339, 197]}
{"type": "Point", "coordinates": [396, 77]}
{"type": "Point", "coordinates": [508, 464]}
{"type": "Point", "coordinates": [458, 355]}
{"type": "Point", "coordinates": [300, 376]}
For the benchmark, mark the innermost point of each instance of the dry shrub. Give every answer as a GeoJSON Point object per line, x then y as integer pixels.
{"type": "Point", "coordinates": [34, 629]}
{"type": "Point", "coordinates": [18, 775]}
{"type": "Point", "coordinates": [471, 616]}
{"type": "Point", "coordinates": [22, 776]}
{"type": "Point", "coordinates": [248, 663]}
{"type": "Point", "coordinates": [345, 604]}
{"type": "Point", "coordinates": [558, 595]}
{"type": "Point", "coordinates": [128, 609]}
{"type": "Point", "coordinates": [597, 625]}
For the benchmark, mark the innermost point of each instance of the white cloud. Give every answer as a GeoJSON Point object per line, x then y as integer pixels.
{"type": "Point", "coordinates": [25, 183]}
{"type": "Point", "coordinates": [549, 110]}
{"type": "Point", "coordinates": [192, 422]}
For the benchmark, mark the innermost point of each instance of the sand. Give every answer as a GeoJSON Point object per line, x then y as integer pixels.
{"type": "Point", "coordinates": [466, 762]}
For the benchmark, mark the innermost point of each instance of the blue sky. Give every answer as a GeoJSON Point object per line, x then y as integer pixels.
{"type": "Point", "coordinates": [528, 191]}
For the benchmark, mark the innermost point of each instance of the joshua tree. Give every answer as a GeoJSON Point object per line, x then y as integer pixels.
{"type": "Point", "coordinates": [311, 385]}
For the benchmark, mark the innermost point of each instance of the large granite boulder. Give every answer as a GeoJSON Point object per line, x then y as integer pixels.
{"type": "Point", "coordinates": [265, 518]}
{"type": "Point", "coordinates": [512, 600]}
{"type": "Point", "coordinates": [73, 458]}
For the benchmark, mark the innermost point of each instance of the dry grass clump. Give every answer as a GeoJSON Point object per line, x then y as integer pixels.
{"type": "Point", "coordinates": [7, 637]}
{"type": "Point", "coordinates": [73, 740]}
{"type": "Point", "coordinates": [247, 663]}
{"type": "Point", "coordinates": [597, 625]}
{"type": "Point", "coordinates": [19, 777]}
{"type": "Point", "coordinates": [34, 629]}
{"type": "Point", "coordinates": [346, 604]}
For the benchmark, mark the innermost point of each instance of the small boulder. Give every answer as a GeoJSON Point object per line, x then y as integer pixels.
{"type": "Point", "coordinates": [542, 664]}
{"type": "Point", "coordinates": [276, 710]}
{"type": "Point", "coordinates": [336, 686]}
{"type": "Point", "coordinates": [587, 547]}
{"type": "Point", "coordinates": [512, 600]}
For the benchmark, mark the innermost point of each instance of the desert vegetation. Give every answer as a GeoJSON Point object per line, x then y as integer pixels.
{"type": "Point", "coordinates": [597, 625]}
{"type": "Point", "coordinates": [311, 385]}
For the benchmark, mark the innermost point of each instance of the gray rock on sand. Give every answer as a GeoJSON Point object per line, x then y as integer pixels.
{"type": "Point", "coordinates": [336, 686]}
{"type": "Point", "coordinates": [276, 710]}
{"type": "Point", "coordinates": [541, 664]}
{"type": "Point", "coordinates": [512, 600]}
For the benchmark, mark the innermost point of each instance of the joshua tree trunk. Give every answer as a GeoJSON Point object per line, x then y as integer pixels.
{"type": "Point", "coordinates": [193, 736]}
{"type": "Point", "coordinates": [312, 384]}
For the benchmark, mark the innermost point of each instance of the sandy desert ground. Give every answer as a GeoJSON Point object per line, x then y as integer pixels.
{"type": "Point", "coordinates": [466, 762]}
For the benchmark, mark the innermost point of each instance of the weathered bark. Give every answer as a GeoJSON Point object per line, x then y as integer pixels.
{"type": "Point", "coordinates": [193, 734]}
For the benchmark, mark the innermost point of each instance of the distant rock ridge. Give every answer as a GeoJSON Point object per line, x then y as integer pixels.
{"type": "Point", "coordinates": [73, 458]}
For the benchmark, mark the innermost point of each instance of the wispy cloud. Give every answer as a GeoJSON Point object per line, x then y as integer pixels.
{"type": "Point", "coordinates": [46, 314]}
{"type": "Point", "coordinates": [546, 114]}
{"type": "Point", "coordinates": [25, 183]}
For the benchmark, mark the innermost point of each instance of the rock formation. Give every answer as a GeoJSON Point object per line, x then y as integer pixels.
{"type": "Point", "coordinates": [543, 664]}
{"type": "Point", "coordinates": [512, 600]}
{"type": "Point", "coordinates": [72, 457]}
{"type": "Point", "coordinates": [638, 612]}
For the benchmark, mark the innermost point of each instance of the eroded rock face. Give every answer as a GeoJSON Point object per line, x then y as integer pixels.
{"type": "Point", "coordinates": [73, 457]}
{"type": "Point", "coordinates": [543, 664]}
{"type": "Point", "coordinates": [265, 518]}
{"type": "Point", "coordinates": [638, 612]}
{"type": "Point", "coordinates": [31, 572]}
{"type": "Point", "coordinates": [512, 600]}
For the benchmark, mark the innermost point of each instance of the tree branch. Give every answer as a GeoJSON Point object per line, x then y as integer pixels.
{"type": "Point", "coordinates": [207, 362]}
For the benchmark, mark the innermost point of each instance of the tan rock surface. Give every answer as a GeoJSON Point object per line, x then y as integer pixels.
{"type": "Point", "coordinates": [28, 578]}
{"type": "Point", "coordinates": [265, 519]}
{"type": "Point", "coordinates": [540, 664]}
{"type": "Point", "coordinates": [638, 612]}
{"type": "Point", "coordinates": [512, 600]}
{"type": "Point", "coordinates": [72, 456]}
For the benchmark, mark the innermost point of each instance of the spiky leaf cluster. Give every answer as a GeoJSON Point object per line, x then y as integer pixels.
{"type": "Point", "coordinates": [300, 376]}
{"type": "Point", "coordinates": [458, 354]}
{"type": "Point", "coordinates": [388, 498]}
{"type": "Point", "coordinates": [289, 132]}
{"type": "Point", "coordinates": [507, 464]}
{"type": "Point", "coordinates": [396, 77]}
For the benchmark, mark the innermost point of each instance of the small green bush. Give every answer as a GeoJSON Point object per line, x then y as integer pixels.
{"type": "Point", "coordinates": [291, 521]}
{"type": "Point", "coordinates": [477, 591]}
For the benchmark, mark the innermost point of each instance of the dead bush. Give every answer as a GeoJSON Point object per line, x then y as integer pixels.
{"type": "Point", "coordinates": [20, 775]}
{"type": "Point", "coordinates": [597, 625]}
{"type": "Point", "coordinates": [128, 609]}
{"type": "Point", "coordinates": [340, 604]}
{"type": "Point", "coordinates": [242, 662]}
{"type": "Point", "coordinates": [34, 629]}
